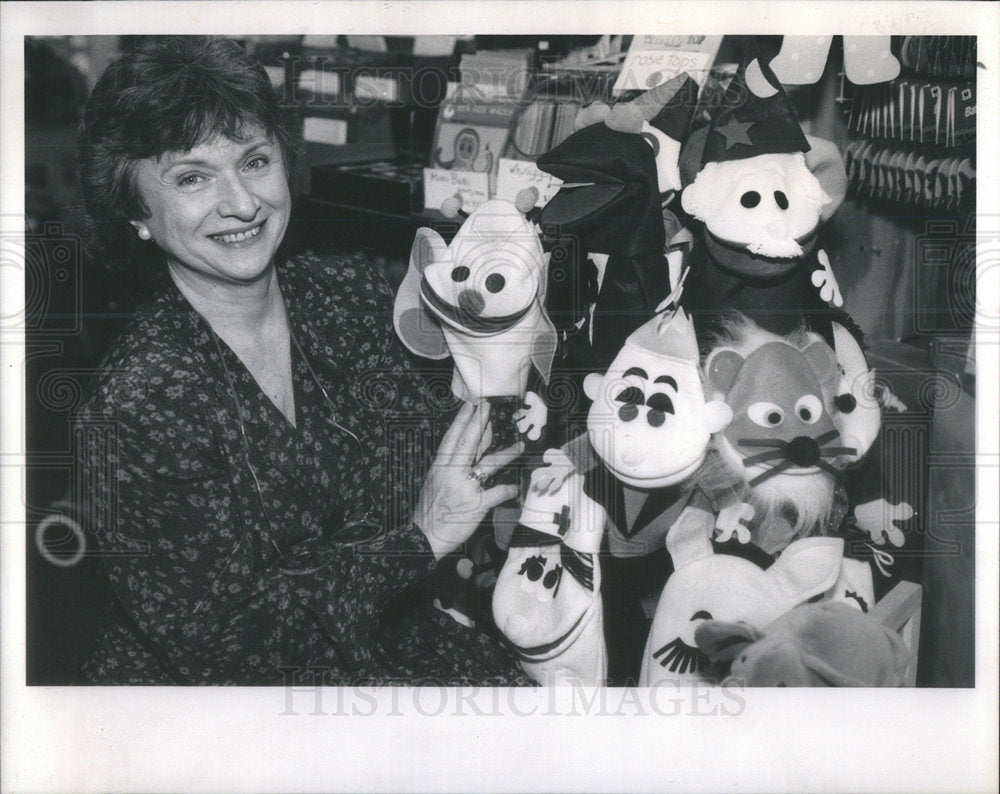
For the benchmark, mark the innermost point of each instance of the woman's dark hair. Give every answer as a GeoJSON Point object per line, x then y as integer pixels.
{"type": "Point", "coordinates": [168, 93]}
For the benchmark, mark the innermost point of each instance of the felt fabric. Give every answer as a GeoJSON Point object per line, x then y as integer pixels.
{"type": "Point", "coordinates": [706, 586]}
{"type": "Point", "coordinates": [779, 296]}
{"type": "Point", "coordinates": [480, 300]}
{"type": "Point", "coordinates": [752, 124]}
{"type": "Point", "coordinates": [822, 644]}
{"type": "Point", "coordinates": [649, 421]}
{"type": "Point", "coordinates": [616, 210]}
{"type": "Point", "coordinates": [547, 600]}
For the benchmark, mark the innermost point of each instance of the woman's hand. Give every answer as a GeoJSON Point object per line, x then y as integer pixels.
{"type": "Point", "coordinates": [453, 503]}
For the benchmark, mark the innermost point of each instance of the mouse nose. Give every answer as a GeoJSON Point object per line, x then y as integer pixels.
{"type": "Point", "coordinates": [803, 451]}
{"type": "Point", "coordinates": [471, 302]}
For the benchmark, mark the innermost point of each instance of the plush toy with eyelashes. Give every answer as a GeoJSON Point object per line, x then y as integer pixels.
{"type": "Point", "coordinates": [649, 429]}
{"type": "Point", "coordinates": [709, 586]}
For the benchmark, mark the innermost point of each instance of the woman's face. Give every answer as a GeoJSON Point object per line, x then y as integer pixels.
{"type": "Point", "coordinates": [218, 211]}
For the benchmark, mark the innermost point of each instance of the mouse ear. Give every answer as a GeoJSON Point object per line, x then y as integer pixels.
{"type": "Point", "coordinates": [822, 359]}
{"type": "Point", "coordinates": [826, 164]}
{"type": "Point", "coordinates": [722, 367]}
{"type": "Point", "coordinates": [415, 324]}
{"type": "Point", "coordinates": [807, 568]}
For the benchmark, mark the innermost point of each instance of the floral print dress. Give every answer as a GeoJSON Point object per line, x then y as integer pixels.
{"type": "Point", "coordinates": [232, 538]}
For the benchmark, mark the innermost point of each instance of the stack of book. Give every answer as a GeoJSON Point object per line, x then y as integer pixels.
{"type": "Point", "coordinates": [542, 125]}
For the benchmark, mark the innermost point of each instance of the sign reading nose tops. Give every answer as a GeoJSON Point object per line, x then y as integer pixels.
{"type": "Point", "coordinates": [654, 60]}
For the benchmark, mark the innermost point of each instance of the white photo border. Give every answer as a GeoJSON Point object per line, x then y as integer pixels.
{"type": "Point", "coordinates": [241, 739]}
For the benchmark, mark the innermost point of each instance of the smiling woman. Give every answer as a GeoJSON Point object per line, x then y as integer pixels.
{"type": "Point", "coordinates": [260, 508]}
{"type": "Point", "coordinates": [219, 211]}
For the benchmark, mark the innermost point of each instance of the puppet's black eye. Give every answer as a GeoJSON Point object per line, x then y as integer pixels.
{"type": "Point", "coordinates": [631, 396]}
{"type": "Point", "coordinates": [460, 273]}
{"type": "Point", "coordinates": [750, 199]}
{"type": "Point", "coordinates": [701, 614]}
{"type": "Point", "coordinates": [781, 200]}
{"type": "Point", "coordinates": [495, 282]}
{"type": "Point", "coordinates": [660, 402]}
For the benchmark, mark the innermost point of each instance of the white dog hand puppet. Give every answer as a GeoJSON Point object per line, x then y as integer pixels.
{"type": "Point", "coordinates": [480, 300]}
{"type": "Point", "coordinates": [547, 600]}
{"type": "Point", "coordinates": [710, 586]}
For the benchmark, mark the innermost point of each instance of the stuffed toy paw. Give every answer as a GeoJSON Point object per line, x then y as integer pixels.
{"type": "Point", "coordinates": [547, 600]}
{"type": "Point", "coordinates": [732, 521]}
{"type": "Point", "coordinates": [824, 280]}
{"type": "Point", "coordinates": [822, 644]}
{"type": "Point", "coordinates": [878, 518]}
{"type": "Point", "coordinates": [550, 477]}
{"type": "Point", "coordinates": [531, 417]}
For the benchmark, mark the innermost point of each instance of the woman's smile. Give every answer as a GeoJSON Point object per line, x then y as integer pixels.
{"type": "Point", "coordinates": [240, 238]}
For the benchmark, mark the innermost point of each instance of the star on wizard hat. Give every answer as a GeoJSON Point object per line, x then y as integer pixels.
{"type": "Point", "coordinates": [757, 120]}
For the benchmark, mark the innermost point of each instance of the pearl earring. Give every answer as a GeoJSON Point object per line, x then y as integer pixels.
{"type": "Point", "coordinates": [144, 233]}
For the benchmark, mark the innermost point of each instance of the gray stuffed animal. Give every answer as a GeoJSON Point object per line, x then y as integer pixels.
{"type": "Point", "coordinates": [823, 644]}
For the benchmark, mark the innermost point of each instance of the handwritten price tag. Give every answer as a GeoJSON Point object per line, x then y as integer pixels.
{"type": "Point", "coordinates": [441, 184]}
{"type": "Point", "coordinates": [517, 175]}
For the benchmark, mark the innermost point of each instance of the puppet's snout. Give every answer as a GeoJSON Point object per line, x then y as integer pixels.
{"type": "Point", "coordinates": [777, 230]}
{"type": "Point", "coordinates": [471, 302]}
{"type": "Point", "coordinates": [803, 451]}
{"type": "Point", "coordinates": [633, 456]}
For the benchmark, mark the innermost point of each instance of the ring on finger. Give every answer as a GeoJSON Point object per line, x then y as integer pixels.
{"type": "Point", "coordinates": [479, 476]}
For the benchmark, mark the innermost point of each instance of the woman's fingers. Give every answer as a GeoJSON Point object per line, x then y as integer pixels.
{"type": "Point", "coordinates": [468, 439]}
{"type": "Point", "coordinates": [458, 425]}
{"type": "Point", "coordinates": [497, 495]}
{"type": "Point", "coordinates": [495, 461]}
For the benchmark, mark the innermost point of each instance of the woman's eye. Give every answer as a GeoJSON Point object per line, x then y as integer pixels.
{"type": "Point", "coordinates": [766, 414]}
{"type": "Point", "coordinates": [257, 163]}
{"type": "Point", "coordinates": [809, 409]}
{"type": "Point", "coordinates": [189, 180]}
